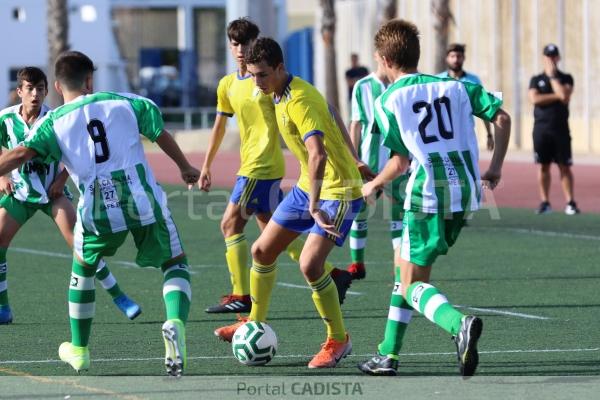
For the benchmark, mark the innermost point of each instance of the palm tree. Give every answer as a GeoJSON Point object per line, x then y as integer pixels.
{"type": "Point", "coordinates": [442, 18]}
{"type": "Point", "coordinates": [58, 33]}
{"type": "Point", "coordinates": [328, 35]}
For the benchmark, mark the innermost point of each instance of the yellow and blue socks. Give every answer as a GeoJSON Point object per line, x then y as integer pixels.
{"type": "Point", "coordinates": [237, 262]}
{"type": "Point", "coordinates": [262, 280]}
{"type": "Point", "coordinates": [325, 297]}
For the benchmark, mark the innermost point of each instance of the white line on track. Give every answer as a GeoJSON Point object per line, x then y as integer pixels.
{"type": "Point", "coordinates": [108, 360]}
{"type": "Point", "coordinates": [291, 285]}
{"type": "Point", "coordinates": [501, 312]}
{"type": "Point", "coordinates": [132, 264]}
{"type": "Point", "coordinates": [537, 232]}
{"type": "Point", "coordinates": [128, 264]}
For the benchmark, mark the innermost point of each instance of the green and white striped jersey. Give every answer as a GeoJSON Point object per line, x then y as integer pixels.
{"type": "Point", "coordinates": [371, 150]}
{"type": "Point", "coordinates": [32, 180]}
{"type": "Point", "coordinates": [97, 138]}
{"type": "Point", "coordinates": [430, 118]}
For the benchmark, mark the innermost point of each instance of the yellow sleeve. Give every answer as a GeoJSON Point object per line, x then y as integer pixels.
{"type": "Point", "coordinates": [223, 103]}
{"type": "Point", "coordinates": [308, 116]}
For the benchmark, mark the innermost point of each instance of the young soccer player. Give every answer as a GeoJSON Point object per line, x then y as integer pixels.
{"type": "Point", "coordinates": [38, 186]}
{"type": "Point", "coordinates": [368, 142]}
{"type": "Point", "coordinates": [256, 191]}
{"type": "Point", "coordinates": [96, 136]}
{"type": "Point", "coordinates": [323, 203]}
{"type": "Point", "coordinates": [430, 119]}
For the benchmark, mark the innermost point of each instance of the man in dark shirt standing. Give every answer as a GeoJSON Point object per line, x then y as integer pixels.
{"type": "Point", "coordinates": [550, 93]}
{"type": "Point", "coordinates": [354, 73]}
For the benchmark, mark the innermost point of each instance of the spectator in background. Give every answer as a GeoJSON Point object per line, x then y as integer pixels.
{"type": "Point", "coordinates": [455, 58]}
{"type": "Point", "coordinates": [354, 73]}
{"type": "Point", "coordinates": [13, 98]}
{"type": "Point", "coordinates": [550, 93]}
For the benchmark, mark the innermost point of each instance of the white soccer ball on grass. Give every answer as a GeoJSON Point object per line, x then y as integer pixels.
{"type": "Point", "coordinates": [254, 343]}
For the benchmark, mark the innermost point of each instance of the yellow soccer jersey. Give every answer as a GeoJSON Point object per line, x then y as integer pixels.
{"type": "Point", "coordinates": [260, 150]}
{"type": "Point", "coordinates": [303, 112]}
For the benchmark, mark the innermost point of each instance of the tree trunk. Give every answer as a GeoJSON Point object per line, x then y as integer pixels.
{"type": "Point", "coordinates": [442, 18]}
{"type": "Point", "coordinates": [328, 34]}
{"type": "Point", "coordinates": [58, 34]}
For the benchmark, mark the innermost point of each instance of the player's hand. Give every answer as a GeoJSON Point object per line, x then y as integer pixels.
{"type": "Point", "coordinates": [56, 190]}
{"type": "Point", "coordinates": [365, 171]}
{"type": "Point", "coordinates": [205, 180]}
{"type": "Point", "coordinates": [6, 185]}
{"type": "Point", "coordinates": [490, 143]}
{"type": "Point", "coordinates": [190, 175]}
{"type": "Point", "coordinates": [490, 179]}
{"type": "Point", "coordinates": [323, 220]}
{"type": "Point", "coordinates": [369, 192]}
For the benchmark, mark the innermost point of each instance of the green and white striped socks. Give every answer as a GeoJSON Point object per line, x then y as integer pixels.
{"type": "Point", "coordinates": [177, 291]}
{"type": "Point", "coordinates": [428, 300]}
{"type": "Point", "coordinates": [358, 236]}
{"type": "Point", "coordinates": [82, 303]}
{"type": "Point", "coordinates": [396, 233]}
{"type": "Point", "coordinates": [107, 280]}
{"type": "Point", "coordinates": [3, 283]}
{"type": "Point", "coordinates": [399, 315]}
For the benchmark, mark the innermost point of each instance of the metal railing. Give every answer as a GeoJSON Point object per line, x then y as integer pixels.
{"type": "Point", "coordinates": [188, 118]}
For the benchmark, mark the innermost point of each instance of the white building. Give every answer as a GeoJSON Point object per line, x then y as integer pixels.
{"type": "Point", "coordinates": [23, 29]}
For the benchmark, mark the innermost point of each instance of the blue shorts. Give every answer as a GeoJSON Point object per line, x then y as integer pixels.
{"type": "Point", "coordinates": [293, 214]}
{"type": "Point", "coordinates": [257, 195]}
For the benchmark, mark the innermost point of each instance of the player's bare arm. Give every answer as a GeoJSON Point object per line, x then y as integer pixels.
{"type": "Point", "coordinates": [6, 185]}
{"type": "Point", "coordinates": [355, 133]}
{"type": "Point", "coordinates": [14, 158]}
{"type": "Point", "coordinates": [216, 138]}
{"type": "Point", "coordinates": [489, 138]}
{"type": "Point", "coordinates": [189, 174]}
{"type": "Point", "coordinates": [396, 166]}
{"type": "Point", "coordinates": [562, 91]}
{"type": "Point", "coordinates": [542, 99]}
{"type": "Point", "coordinates": [317, 157]}
{"type": "Point", "coordinates": [363, 168]}
{"type": "Point", "coordinates": [501, 122]}
{"type": "Point", "coordinates": [57, 188]}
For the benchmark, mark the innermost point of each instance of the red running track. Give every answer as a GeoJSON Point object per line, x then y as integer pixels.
{"type": "Point", "coordinates": [517, 189]}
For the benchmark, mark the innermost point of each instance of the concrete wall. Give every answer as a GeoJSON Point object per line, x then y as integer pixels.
{"type": "Point", "coordinates": [504, 47]}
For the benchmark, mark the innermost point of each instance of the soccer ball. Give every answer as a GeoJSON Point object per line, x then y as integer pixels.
{"type": "Point", "coordinates": [254, 343]}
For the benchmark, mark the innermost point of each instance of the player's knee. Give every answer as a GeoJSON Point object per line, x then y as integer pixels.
{"type": "Point", "coordinates": [261, 254]}
{"type": "Point", "coordinates": [545, 168]}
{"type": "Point", "coordinates": [565, 170]}
{"type": "Point", "coordinates": [310, 267]}
{"type": "Point", "coordinates": [228, 226]}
